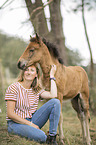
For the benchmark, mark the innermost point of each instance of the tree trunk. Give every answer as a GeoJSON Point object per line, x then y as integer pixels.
{"type": "Point", "coordinates": [38, 20]}
{"type": "Point", "coordinates": [37, 17]}
{"type": "Point", "coordinates": [57, 28]}
{"type": "Point", "coordinates": [91, 58]}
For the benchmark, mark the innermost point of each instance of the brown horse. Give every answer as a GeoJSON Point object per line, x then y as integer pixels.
{"type": "Point", "coordinates": [72, 81]}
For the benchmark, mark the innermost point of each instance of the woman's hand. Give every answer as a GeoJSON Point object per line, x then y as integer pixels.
{"type": "Point", "coordinates": [34, 125]}
{"type": "Point", "coordinates": [52, 71]}
{"type": "Point", "coordinates": [53, 88]}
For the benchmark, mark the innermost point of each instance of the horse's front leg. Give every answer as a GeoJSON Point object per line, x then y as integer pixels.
{"type": "Point", "coordinates": [61, 135]}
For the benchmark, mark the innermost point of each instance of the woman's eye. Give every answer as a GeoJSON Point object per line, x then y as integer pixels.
{"type": "Point", "coordinates": [32, 70]}
{"type": "Point", "coordinates": [26, 69]}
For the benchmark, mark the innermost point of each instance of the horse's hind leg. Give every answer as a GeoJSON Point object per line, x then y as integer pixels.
{"type": "Point", "coordinates": [81, 105]}
{"type": "Point", "coordinates": [85, 117]}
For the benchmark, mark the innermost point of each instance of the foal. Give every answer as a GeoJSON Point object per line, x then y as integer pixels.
{"type": "Point", "coordinates": [72, 81]}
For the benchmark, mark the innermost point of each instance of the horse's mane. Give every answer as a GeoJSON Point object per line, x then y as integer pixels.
{"type": "Point", "coordinates": [52, 49]}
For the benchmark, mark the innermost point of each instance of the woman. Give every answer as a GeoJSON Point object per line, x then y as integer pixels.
{"type": "Point", "coordinates": [22, 101]}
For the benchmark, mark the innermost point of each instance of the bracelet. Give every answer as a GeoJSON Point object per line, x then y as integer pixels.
{"type": "Point", "coordinates": [53, 79]}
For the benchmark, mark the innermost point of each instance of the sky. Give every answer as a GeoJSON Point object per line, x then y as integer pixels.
{"type": "Point", "coordinates": [14, 22]}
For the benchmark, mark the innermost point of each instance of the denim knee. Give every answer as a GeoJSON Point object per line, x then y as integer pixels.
{"type": "Point", "coordinates": [41, 138]}
{"type": "Point", "coordinates": [56, 101]}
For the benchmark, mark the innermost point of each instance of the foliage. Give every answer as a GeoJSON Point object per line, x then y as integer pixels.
{"type": "Point", "coordinates": [10, 50]}
{"type": "Point", "coordinates": [74, 57]}
{"type": "Point", "coordinates": [93, 100]}
{"type": "Point", "coordinates": [92, 90]}
{"type": "Point", "coordinates": [89, 4]}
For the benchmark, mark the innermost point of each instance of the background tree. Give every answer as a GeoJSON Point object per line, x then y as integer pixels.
{"type": "Point", "coordinates": [89, 5]}
{"type": "Point", "coordinates": [82, 6]}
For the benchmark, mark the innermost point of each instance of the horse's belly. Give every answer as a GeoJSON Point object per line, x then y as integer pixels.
{"type": "Point", "coordinates": [68, 94]}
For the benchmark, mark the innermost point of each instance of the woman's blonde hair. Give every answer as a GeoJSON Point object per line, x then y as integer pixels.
{"type": "Point", "coordinates": [35, 83]}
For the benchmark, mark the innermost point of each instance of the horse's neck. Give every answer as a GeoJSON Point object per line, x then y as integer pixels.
{"type": "Point", "coordinates": [45, 65]}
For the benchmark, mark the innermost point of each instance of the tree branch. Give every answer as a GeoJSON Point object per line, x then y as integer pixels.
{"type": "Point", "coordinates": [40, 8]}
{"type": "Point", "coordinates": [37, 16]}
{"type": "Point", "coordinates": [5, 4]}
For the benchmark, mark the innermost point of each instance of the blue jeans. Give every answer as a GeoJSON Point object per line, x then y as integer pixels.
{"type": "Point", "coordinates": [50, 110]}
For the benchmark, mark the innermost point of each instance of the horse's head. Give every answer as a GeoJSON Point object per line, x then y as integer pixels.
{"type": "Point", "coordinates": [32, 54]}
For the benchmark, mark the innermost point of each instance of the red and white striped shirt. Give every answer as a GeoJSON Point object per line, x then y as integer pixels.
{"type": "Point", "coordinates": [26, 100]}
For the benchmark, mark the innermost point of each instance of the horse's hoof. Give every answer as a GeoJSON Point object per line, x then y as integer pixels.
{"type": "Point", "coordinates": [86, 143]}
{"type": "Point", "coordinates": [61, 142]}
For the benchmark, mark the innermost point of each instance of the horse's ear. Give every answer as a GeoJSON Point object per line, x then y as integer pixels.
{"type": "Point", "coordinates": [30, 37]}
{"type": "Point", "coordinates": [38, 38]}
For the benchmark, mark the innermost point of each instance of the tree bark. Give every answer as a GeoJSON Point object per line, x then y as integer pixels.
{"type": "Point", "coordinates": [37, 17]}
{"type": "Point", "coordinates": [57, 28]}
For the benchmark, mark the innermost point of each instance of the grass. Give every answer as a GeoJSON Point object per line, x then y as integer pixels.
{"type": "Point", "coordinates": [71, 127]}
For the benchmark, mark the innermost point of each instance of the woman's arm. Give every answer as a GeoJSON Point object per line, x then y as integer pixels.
{"type": "Point", "coordinates": [13, 116]}
{"type": "Point", "coordinates": [53, 88]}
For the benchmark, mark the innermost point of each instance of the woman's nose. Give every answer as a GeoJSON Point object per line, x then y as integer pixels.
{"type": "Point", "coordinates": [28, 72]}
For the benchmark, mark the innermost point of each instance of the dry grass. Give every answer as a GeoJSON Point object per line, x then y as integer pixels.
{"type": "Point", "coordinates": [71, 127]}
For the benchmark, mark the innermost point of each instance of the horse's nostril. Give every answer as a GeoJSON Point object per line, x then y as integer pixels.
{"type": "Point", "coordinates": [19, 64]}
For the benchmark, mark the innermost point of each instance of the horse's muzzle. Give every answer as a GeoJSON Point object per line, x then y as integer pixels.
{"type": "Point", "coordinates": [21, 65]}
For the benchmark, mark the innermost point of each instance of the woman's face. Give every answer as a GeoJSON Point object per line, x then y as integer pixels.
{"type": "Point", "coordinates": [30, 73]}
